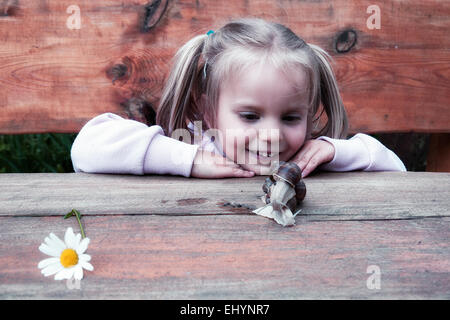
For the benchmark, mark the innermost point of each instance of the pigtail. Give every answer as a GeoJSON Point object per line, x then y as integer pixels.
{"type": "Point", "coordinates": [177, 102]}
{"type": "Point", "coordinates": [337, 123]}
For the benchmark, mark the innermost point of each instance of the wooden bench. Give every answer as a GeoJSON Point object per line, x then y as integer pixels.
{"type": "Point", "coordinates": [55, 77]}
{"type": "Point", "coordinates": [56, 74]}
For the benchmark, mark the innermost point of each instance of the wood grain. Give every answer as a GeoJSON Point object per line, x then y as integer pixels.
{"type": "Point", "coordinates": [160, 237]}
{"type": "Point", "coordinates": [53, 79]}
{"type": "Point", "coordinates": [438, 159]}
{"type": "Point", "coordinates": [230, 257]}
{"type": "Point", "coordinates": [330, 196]}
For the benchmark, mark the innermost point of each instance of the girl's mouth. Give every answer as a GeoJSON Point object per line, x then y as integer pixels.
{"type": "Point", "coordinates": [262, 154]}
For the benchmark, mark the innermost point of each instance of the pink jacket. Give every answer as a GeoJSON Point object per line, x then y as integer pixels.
{"type": "Point", "coordinates": [111, 144]}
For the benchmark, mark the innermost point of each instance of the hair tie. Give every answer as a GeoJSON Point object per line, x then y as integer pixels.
{"type": "Point", "coordinates": [210, 32]}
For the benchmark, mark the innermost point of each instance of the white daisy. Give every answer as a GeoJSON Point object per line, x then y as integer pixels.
{"type": "Point", "coordinates": [67, 258]}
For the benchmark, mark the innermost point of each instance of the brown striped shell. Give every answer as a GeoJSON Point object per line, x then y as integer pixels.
{"type": "Point", "coordinates": [291, 173]}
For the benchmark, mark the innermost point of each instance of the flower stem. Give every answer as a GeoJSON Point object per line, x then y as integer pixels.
{"type": "Point", "coordinates": [78, 216]}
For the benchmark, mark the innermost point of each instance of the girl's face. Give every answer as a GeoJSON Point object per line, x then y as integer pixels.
{"type": "Point", "coordinates": [262, 117]}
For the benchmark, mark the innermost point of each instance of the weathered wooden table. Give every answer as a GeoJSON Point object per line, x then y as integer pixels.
{"type": "Point", "coordinates": [171, 237]}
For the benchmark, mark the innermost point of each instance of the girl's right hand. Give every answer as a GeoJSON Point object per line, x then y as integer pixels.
{"type": "Point", "coordinates": [210, 165]}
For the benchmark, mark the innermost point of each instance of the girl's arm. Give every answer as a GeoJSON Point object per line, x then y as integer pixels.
{"type": "Point", "coordinates": [111, 144]}
{"type": "Point", "coordinates": [361, 152]}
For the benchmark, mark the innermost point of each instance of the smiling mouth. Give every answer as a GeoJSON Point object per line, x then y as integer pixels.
{"type": "Point", "coordinates": [262, 154]}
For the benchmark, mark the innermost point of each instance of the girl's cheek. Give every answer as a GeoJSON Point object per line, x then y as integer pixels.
{"type": "Point", "coordinates": [296, 143]}
{"type": "Point", "coordinates": [231, 147]}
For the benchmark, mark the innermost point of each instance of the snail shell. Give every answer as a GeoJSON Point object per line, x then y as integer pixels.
{"type": "Point", "coordinates": [291, 173]}
{"type": "Point", "coordinates": [300, 191]}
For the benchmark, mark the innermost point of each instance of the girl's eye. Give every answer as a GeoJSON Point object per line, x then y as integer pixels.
{"type": "Point", "coordinates": [249, 116]}
{"type": "Point", "coordinates": [291, 118]}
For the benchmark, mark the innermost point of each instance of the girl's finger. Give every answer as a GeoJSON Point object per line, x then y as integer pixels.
{"type": "Point", "coordinates": [230, 163]}
{"type": "Point", "coordinates": [312, 164]}
{"type": "Point", "coordinates": [231, 169]}
{"type": "Point", "coordinates": [241, 173]}
{"type": "Point", "coordinates": [304, 158]}
{"type": "Point", "coordinates": [232, 172]}
{"type": "Point", "coordinates": [303, 150]}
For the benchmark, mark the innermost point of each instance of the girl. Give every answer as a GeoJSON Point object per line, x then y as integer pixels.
{"type": "Point", "coordinates": [241, 98]}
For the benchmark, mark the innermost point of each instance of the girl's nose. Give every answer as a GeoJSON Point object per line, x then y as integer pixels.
{"type": "Point", "coordinates": [271, 126]}
{"type": "Point", "coordinates": [269, 123]}
{"type": "Point", "coordinates": [271, 134]}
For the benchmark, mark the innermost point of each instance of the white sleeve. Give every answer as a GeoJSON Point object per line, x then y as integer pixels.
{"type": "Point", "coordinates": [361, 152]}
{"type": "Point", "coordinates": [111, 144]}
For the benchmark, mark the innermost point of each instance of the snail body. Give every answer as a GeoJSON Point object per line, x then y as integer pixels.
{"type": "Point", "coordinates": [284, 190]}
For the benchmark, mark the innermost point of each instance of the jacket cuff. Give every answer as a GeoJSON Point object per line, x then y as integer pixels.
{"type": "Point", "coordinates": [169, 156]}
{"type": "Point", "coordinates": [349, 155]}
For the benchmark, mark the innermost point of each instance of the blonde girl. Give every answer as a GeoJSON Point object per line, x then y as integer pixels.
{"type": "Point", "coordinates": [236, 101]}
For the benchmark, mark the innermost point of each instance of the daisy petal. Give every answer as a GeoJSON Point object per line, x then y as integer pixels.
{"type": "Point", "coordinates": [46, 262]}
{"type": "Point", "coordinates": [52, 244]}
{"type": "Point", "coordinates": [57, 241]}
{"type": "Point", "coordinates": [65, 273]}
{"type": "Point", "coordinates": [51, 269]}
{"type": "Point", "coordinates": [78, 274]}
{"type": "Point", "coordinates": [83, 246]}
{"type": "Point", "coordinates": [49, 250]}
{"type": "Point", "coordinates": [87, 266]}
{"type": "Point", "coordinates": [84, 257]}
{"type": "Point", "coordinates": [69, 238]}
{"type": "Point", "coordinates": [60, 275]}
{"type": "Point", "coordinates": [48, 242]}
{"type": "Point", "coordinates": [77, 241]}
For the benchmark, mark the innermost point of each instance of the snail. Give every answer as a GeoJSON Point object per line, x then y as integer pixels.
{"type": "Point", "coordinates": [284, 191]}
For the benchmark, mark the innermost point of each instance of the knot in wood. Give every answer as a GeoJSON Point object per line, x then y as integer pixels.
{"type": "Point", "coordinates": [346, 40]}
{"type": "Point", "coordinates": [153, 12]}
{"type": "Point", "coordinates": [118, 71]}
{"type": "Point", "coordinates": [8, 7]}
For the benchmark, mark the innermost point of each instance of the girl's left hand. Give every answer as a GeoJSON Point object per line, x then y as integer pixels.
{"type": "Point", "coordinates": [312, 154]}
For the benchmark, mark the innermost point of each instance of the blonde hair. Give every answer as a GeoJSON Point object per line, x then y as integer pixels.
{"type": "Point", "coordinates": [206, 61]}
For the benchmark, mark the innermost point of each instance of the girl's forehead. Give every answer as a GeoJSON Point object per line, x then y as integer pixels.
{"type": "Point", "coordinates": [265, 80]}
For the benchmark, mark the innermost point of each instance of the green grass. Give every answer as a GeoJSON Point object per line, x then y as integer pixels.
{"type": "Point", "coordinates": [48, 152]}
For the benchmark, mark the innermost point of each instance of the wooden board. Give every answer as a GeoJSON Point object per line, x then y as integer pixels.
{"type": "Point", "coordinates": [54, 79]}
{"type": "Point", "coordinates": [233, 257]}
{"type": "Point", "coordinates": [162, 237]}
{"type": "Point", "coordinates": [438, 159]}
{"type": "Point", "coordinates": [330, 196]}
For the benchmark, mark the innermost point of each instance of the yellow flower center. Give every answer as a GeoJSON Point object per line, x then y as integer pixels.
{"type": "Point", "coordinates": [69, 258]}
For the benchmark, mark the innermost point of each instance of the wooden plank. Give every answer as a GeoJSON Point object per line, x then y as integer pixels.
{"type": "Point", "coordinates": [330, 196]}
{"type": "Point", "coordinates": [439, 153]}
{"type": "Point", "coordinates": [383, 93]}
{"type": "Point", "coordinates": [229, 257]}
{"type": "Point", "coordinates": [54, 79]}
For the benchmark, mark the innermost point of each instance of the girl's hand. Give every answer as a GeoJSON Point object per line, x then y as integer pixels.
{"type": "Point", "coordinates": [312, 154]}
{"type": "Point", "coordinates": [210, 165]}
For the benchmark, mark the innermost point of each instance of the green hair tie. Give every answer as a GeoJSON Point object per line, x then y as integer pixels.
{"type": "Point", "coordinates": [210, 32]}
